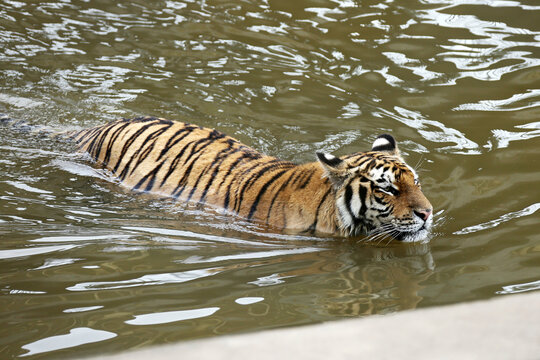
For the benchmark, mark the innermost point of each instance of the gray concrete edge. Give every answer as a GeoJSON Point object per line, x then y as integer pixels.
{"type": "Point", "coordinates": [506, 327]}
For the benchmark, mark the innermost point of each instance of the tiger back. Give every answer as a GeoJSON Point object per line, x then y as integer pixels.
{"type": "Point", "coordinates": [193, 163]}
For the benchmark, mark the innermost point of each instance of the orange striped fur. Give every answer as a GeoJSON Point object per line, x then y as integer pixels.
{"type": "Point", "coordinates": [193, 163]}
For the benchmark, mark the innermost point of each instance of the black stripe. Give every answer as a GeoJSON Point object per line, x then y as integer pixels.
{"type": "Point", "coordinates": [224, 154]}
{"type": "Point", "coordinates": [151, 176]}
{"type": "Point", "coordinates": [175, 162]}
{"type": "Point", "coordinates": [229, 172]}
{"type": "Point", "coordinates": [99, 138]}
{"type": "Point", "coordinates": [216, 162]}
{"type": "Point", "coordinates": [379, 201]}
{"type": "Point", "coordinates": [205, 142]}
{"type": "Point", "coordinates": [93, 134]}
{"type": "Point", "coordinates": [128, 143]}
{"type": "Point", "coordinates": [195, 185]}
{"type": "Point", "coordinates": [80, 136]}
{"type": "Point", "coordinates": [298, 179]}
{"type": "Point", "coordinates": [144, 154]}
{"type": "Point", "coordinates": [128, 169]}
{"type": "Point", "coordinates": [170, 144]}
{"type": "Point", "coordinates": [348, 197]}
{"type": "Point", "coordinates": [262, 190]}
{"type": "Point", "coordinates": [313, 226]}
{"type": "Point", "coordinates": [298, 176]}
{"type": "Point", "coordinates": [364, 179]}
{"type": "Point", "coordinates": [362, 192]}
{"type": "Point", "coordinates": [278, 192]}
{"type": "Point", "coordinates": [182, 183]}
{"type": "Point", "coordinates": [387, 212]}
{"type": "Point", "coordinates": [307, 179]}
{"type": "Point", "coordinates": [96, 133]}
{"type": "Point", "coordinates": [103, 137]}
{"type": "Point", "coordinates": [151, 140]}
{"type": "Point", "coordinates": [175, 139]}
{"type": "Point", "coordinates": [364, 160]}
{"type": "Point", "coordinates": [112, 141]}
{"type": "Point", "coordinates": [272, 164]}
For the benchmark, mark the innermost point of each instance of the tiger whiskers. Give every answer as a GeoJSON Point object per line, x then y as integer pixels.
{"type": "Point", "coordinates": [419, 163]}
{"type": "Point", "coordinates": [387, 231]}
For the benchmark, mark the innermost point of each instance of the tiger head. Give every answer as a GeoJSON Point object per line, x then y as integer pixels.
{"type": "Point", "coordinates": [378, 194]}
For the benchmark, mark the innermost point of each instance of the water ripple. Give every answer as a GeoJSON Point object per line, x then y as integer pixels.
{"type": "Point", "coordinates": [519, 288]}
{"type": "Point", "coordinates": [16, 253]}
{"type": "Point", "coordinates": [449, 78]}
{"type": "Point", "coordinates": [146, 280]}
{"type": "Point", "coordinates": [527, 100]}
{"type": "Point", "coordinates": [75, 337]}
{"type": "Point", "coordinates": [172, 316]}
{"type": "Point", "coordinates": [488, 52]}
{"type": "Point", "coordinates": [529, 210]}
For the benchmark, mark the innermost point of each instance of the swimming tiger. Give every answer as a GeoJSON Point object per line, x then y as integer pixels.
{"type": "Point", "coordinates": [374, 193]}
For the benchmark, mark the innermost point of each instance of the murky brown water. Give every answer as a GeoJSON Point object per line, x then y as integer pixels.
{"type": "Point", "coordinates": [87, 267]}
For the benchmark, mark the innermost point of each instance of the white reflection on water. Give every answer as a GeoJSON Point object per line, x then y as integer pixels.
{"type": "Point", "coordinates": [433, 130]}
{"type": "Point", "coordinates": [56, 262]}
{"type": "Point", "coordinates": [171, 316]}
{"type": "Point", "coordinates": [145, 280]}
{"type": "Point", "coordinates": [8, 254]}
{"type": "Point", "coordinates": [482, 55]}
{"type": "Point", "coordinates": [22, 186]}
{"type": "Point", "coordinates": [83, 309]}
{"type": "Point", "coordinates": [248, 300]}
{"type": "Point", "coordinates": [519, 288]}
{"type": "Point", "coordinates": [503, 137]}
{"type": "Point", "coordinates": [190, 234]}
{"type": "Point", "coordinates": [27, 292]}
{"type": "Point", "coordinates": [33, 153]}
{"type": "Point", "coordinates": [19, 101]}
{"type": "Point", "coordinates": [414, 65]}
{"type": "Point", "coordinates": [516, 102]}
{"type": "Point", "coordinates": [248, 255]}
{"type": "Point", "coordinates": [76, 337]}
{"type": "Point", "coordinates": [269, 280]}
{"type": "Point", "coordinates": [55, 239]}
{"type": "Point", "coordinates": [529, 210]}
{"type": "Point", "coordinates": [81, 169]}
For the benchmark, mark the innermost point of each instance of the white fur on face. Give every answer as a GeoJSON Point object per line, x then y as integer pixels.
{"type": "Point", "coordinates": [345, 216]}
{"type": "Point", "coordinates": [383, 174]}
{"type": "Point", "coordinates": [356, 204]}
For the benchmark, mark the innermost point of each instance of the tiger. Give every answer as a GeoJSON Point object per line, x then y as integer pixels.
{"type": "Point", "coordinates": [373, 193]}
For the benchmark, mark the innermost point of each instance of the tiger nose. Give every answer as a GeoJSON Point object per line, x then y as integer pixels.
{"type": "Point", "coordinates": [423, 213]}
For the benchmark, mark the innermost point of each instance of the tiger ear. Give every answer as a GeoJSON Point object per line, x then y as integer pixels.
{"type": "Point", "coordinates": [334, 168]}
{"type": "Point", "coordinates": [386, 143]}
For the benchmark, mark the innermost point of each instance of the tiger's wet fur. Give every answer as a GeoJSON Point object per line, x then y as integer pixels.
{"type": "Point", "coordinates": [374, 193]}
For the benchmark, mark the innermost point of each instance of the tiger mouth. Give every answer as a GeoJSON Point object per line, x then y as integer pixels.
{"type": "Point", "coordinates": [418, 235]}
{"type": "Point", "coordinates": [412, 236]}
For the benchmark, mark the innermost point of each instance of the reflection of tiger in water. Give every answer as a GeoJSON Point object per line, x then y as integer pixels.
{"type": "Point", "coordinates": [371, 192]}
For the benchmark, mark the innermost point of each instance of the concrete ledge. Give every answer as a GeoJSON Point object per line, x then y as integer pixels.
{"type": "Point", "coordinates": [507, 327]}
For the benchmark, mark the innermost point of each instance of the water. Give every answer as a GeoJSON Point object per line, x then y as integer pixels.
{"type": "Point", "coordinates": [86, 267]}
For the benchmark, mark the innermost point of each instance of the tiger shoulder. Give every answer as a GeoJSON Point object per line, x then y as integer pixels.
{"type": "Point", "coordinates": [373, 193]}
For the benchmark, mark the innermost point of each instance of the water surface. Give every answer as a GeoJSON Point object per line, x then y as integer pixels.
{"type": "Point", "coordinates": [87, 267]}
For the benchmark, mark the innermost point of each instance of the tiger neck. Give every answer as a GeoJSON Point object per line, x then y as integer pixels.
{"type": "Point", "coordinates": [311, 202]}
